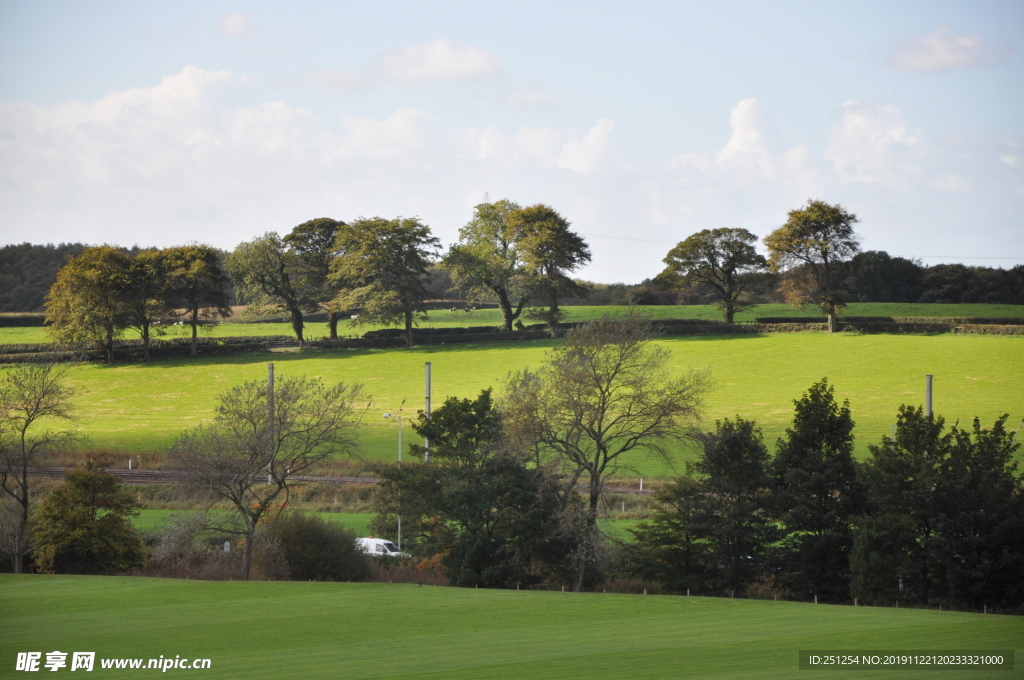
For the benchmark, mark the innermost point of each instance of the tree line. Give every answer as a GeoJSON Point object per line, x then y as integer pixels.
{"type": "Point", "coordinates": [376, 266]}
{"type": "Point", "coordinates": [523, 259]}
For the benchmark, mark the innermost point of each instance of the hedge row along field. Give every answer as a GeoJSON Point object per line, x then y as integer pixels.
{"type": "Point", "coordinates": [142, 407]}
{"type": "Point", "coordinates": [492, 317]}
{"type": "Point", "coordinates": [336, 630]}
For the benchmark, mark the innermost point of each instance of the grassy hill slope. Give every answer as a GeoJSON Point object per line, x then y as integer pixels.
{"type": "Point", "coordinates": [326, 630]}
{"type": "Point", "coordinates": [144, 406]}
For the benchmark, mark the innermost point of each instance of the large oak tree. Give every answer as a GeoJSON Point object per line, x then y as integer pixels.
{"type": "Point", "coordinates": [550, 251]}
{"type": "Point", "coordinates": [724, 259]}
{"type": "Point", "coordinates": [811, 247]}
{"type": "Point", "coordinates": [381, 269]}
{"type": "Point", "coordinates": [487, 258]}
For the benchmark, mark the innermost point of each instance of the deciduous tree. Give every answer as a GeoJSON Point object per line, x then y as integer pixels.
{"type": "Point", "coordinates": [812, 245]}
{"type": "Point", "coordinates": [724, 259]}
{"type": "Point", "coordinates": [382, 268]}
{"type": "Point", "coordinates": [262, 271]}
{"type": "Point", "coordinates": [312, 246]}
{"type": "Point", "coordinates": [487, 257]}
{"type": "Point", "coordinates": [86, 304]}
{"type": "Point", "coordinates": [606, 392]}
{"type": "Point", "coordinates": [31, 395]}
{"type": "Point", "coordinates": [148, 297]}
{"type": "Point", "coordinates": [484, 513]}
{"type": "Point", "coordinates": [550, 252]}
{"type": "Point", "coordinates": [198, 284]}
{"type": "Point", "coordinates": [83, 526]}
{"type": "Point", "coordinates": [250, 461]}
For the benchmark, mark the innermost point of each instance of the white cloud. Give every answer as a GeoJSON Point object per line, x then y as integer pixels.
{"type": "Point", "coordinates": [531, 99]}
{"type": "Point", "coordinates": [542, 147]}
{"type": "Point", "coordinates": [586, 154]}
{"type": "Point", "coordinates": [163, 165]}
{"type": "Point", "coordinates": [941, 50]}
{"type": "Point", "coordinates": [397, 135]}
{"type": "Point", "coordinates": [439, 61]}
{"type": "Point", "coordinates": [749, 158]}
{"type": "Point", "coordinates": [237, 25]}
{"type": "Point", "coordinates": [1012, 161]}
{"type": "Point", "coordinates": [747, 148]}
{"type": "Point", "coordinates": [335, 80]}
{"type": "Point", "coordinates": [872, 144]}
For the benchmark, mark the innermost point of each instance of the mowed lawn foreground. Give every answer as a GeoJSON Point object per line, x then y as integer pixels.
{"type": "Point", "coordinates": [334, 630]}
{"type": "Point", "coordinates": [141, 407]}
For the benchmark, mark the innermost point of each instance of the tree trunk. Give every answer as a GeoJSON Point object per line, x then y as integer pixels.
{"type": "Point", "coordinates": [19, 538]}
{"type": "Point", "coordinates": [195, 324]}
{"type": "Point", "coordinates": [296, 315]}
{"type": "Point", "coordinates": [506, 309]}
{"type": "Point", "coordinates": [589, 557]}
{"type": "Point", "coordinates": [332, 323]}
{"type": "Point", "coordinates": [408, 327]}
{"type": "Point", "coordinates": [553, 311]}
{"type": "Point", "coordinates": [145, 342]}
{"type": "Point", "coordinates": [110, 345]}
{"type": "Point", "coordinates": [250, 538]}
{"type": "Point", "coordinates": [729, 312]}
{"type": "Point", "coordinates": [833, 324]}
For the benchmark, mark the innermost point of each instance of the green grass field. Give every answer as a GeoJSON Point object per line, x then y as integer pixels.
{"type": "Point", "coordinates": [333, 630]}
{"type": "Point", "coordinates": [148, 519]}
{"type": "Point", "coordinates": [135, 407]}
{"type": "Point", "coordinates": [492, 317]}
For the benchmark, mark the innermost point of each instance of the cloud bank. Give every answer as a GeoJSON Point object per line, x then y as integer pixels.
{"type": "Point", "coordinates": [166, 164]}
{"type": "Point", "coordinates": [941, 51]}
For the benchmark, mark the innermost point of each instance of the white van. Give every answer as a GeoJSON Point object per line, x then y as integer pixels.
{"type": "Point", "coordinates": [379, 546]}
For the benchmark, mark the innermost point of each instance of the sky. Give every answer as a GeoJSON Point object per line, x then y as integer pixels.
{"type": "Point", "coordinates": [642, 123]}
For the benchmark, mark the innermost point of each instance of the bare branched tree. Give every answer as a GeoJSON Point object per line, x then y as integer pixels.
{"type": "Point", "coordinates": [246, 459]}
{"type": "Point", "coordinates": [608, 391]}
{"type": "Point", "coordinates": [31, 396]}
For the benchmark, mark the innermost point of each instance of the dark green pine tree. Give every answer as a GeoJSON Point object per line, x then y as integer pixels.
{"type": "Point", "coordinates": [815, 493]}
{"type": "Point", "coordinates": [947, 517]}
{"type": "Point", "coordinates": [733, 516]}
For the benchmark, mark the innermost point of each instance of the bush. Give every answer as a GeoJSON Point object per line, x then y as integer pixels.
{"type": "Point", "coordinates": [317, 550]}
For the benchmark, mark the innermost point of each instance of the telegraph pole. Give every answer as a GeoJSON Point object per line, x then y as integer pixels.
{"type": "Point", "coordinates": [928, 396]}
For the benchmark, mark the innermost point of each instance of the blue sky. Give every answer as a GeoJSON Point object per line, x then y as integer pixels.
{"type": "Point", "coordinates": [162, 123]}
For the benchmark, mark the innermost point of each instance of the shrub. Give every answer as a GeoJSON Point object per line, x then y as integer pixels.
{"type": "Point", "coordinates": [317, 550]}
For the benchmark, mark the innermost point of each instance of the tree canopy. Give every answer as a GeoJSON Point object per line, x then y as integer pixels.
{"type": "Point", "coordinates": [262, 270]}
{"type": "Point", "coordinates": [86, 303]}
{"type": "Point", "coordinates": [811, 246]}
{"type": "Point", "coordinates": [550, 252]}
{"type": "Point", "coordinates": [487, 258]}
{"type": "Point", "coordinates": [250, 461]}
{"type": "Point", "coordinates": [724, 259]}
{"type": "Point", "coordinates": [606, 392]}
{"type": "Point", "coordinates": [31, 396]}
{"type": "Point", "coordinates": [198, 284]}
{"type": "Point", "coordinates": [311, 245]}
{"type": "Point", "coordinates": [84, 527]}
{"type": "Point", "coordinates": [381, 268]}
